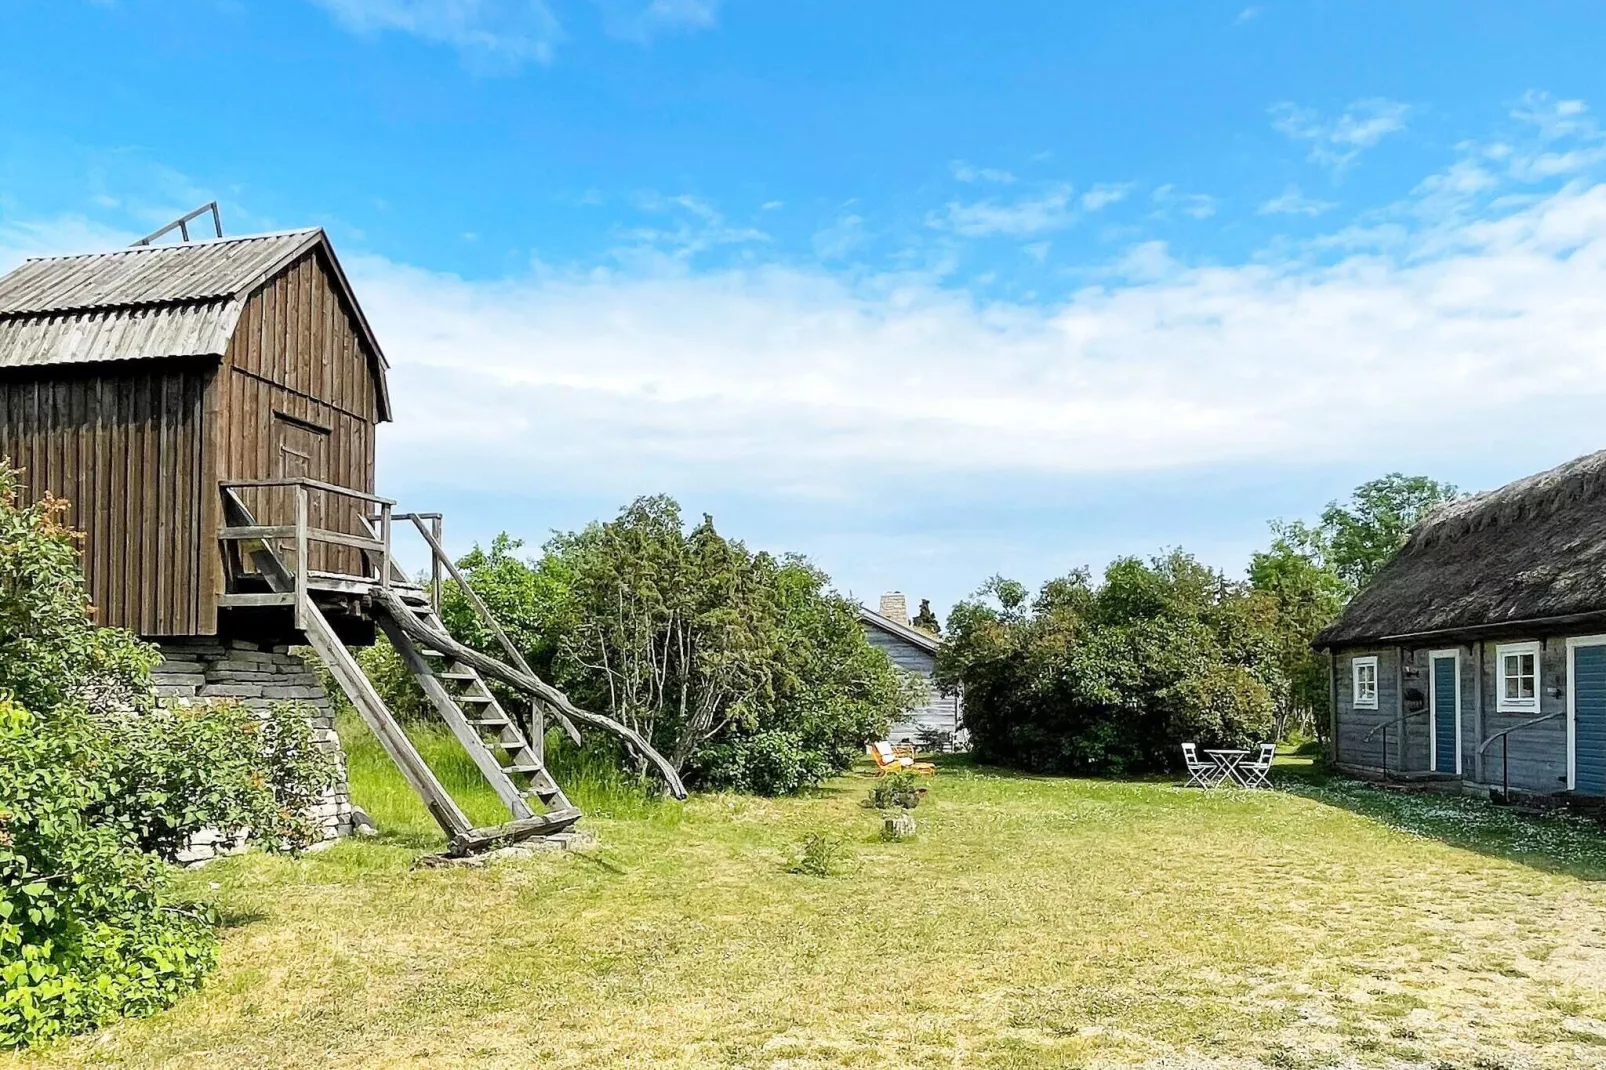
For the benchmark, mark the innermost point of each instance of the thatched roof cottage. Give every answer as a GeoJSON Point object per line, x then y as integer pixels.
{"type": "Point", "coordinates": [1479, 653]}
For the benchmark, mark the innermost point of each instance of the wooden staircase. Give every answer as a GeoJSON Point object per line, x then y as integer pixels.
{"type": "Point", "coordinates": [453, 676]}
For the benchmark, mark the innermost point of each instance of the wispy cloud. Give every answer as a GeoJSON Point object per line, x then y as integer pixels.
{"type": "Point", "coordinates": [1248, 14]}
{"type": "Point", "coordinates": [1338, 142]}
{"type": "Point", "coordinates": [632, 21]}
{"type": "Point", "coordinates": [1104, 194]}
{"type": "Point", "coordinates": [968, 172]}
{"type": "Point", "coordinates": [693, 225]}
{"type": "Point", "coordinates": [495, 36]}
{"type": "Point", "coordinates": [1168, 198]}
{"type": "Point", "coordinates": [1050, 209]}
{"type": "Point", "coordinates": [839, 239]}
{"type": "Point", "coordinates": [1292, 202]}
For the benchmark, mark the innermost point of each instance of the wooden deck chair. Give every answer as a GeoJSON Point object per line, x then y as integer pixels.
{"type": "Point", "coordinates": [886, 761]}
{"type": "Point", "coordinates": [1257, 774]}
{"type": "Point", "coordinates": [1200, 774]}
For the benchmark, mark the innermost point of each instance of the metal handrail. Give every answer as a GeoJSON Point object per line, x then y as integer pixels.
{"type": "Point", "coordinates": [1505, 747]}
{"type": "Point", "coordinates": [1384, 728]}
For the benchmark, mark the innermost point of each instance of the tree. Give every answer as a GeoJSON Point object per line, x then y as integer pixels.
{"type": "Point", "coordinates": [1110, 678]}
{"type": "Point", "coordinates": [744, 669]}
{"type": "Point", "coordinates": [926, 620]}
{"type": "Point", "coordinates": [1295, 573]}
{"type": "Point", "coordinates": [1364, 535]}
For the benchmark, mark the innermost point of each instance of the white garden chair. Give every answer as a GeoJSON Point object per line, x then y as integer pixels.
{"type": "Point", "coordinates": [1200, 774]}
{"type": "Point", "coordinates": [1257, 774]}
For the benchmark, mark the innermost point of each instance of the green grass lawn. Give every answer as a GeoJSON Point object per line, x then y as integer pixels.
{"type": "Point", "coordinates": [1034, 922]}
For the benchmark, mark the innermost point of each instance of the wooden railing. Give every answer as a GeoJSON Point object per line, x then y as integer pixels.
{"type": "Point", "coordinates": [295, 539]}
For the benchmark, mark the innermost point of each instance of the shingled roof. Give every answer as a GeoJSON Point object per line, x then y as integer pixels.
{"type": "Point", "coordinates": [152, 301]}
{"type": "Point", "coordinates": [1532, 551]}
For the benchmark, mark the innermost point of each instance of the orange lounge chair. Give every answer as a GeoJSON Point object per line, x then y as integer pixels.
{"type": "Point", "coordinates": [888, 761]}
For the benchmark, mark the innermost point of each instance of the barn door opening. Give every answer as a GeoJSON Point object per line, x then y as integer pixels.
{"type": "Point", "coordinates": [301, 451]}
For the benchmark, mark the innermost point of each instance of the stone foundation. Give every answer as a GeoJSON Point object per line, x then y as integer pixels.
{"type": "Point", "coordinates": [261, 678]}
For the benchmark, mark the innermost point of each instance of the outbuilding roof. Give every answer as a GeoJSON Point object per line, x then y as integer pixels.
{"type": "Point", "coordinates": [154, 301]}
{"type": "Point", "coordinates": [1532, 552]}
{"type": "Point", "coordinates": [908, 633]}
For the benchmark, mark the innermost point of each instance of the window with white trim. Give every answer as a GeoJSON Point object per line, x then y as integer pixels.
{"type": "Point", "coordinates": [1365, 675]}
{"type": "Point", "coordinates": [1517, 686]}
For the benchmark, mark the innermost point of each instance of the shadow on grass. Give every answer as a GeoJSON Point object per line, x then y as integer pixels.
{"type": "Point", "coordinates": [1560, 843]}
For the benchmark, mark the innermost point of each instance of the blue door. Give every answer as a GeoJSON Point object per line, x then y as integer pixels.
{"type": "Point", "coordinates": [1589, 720]}
{"type": "Point", "coordinates": [1446, 711]}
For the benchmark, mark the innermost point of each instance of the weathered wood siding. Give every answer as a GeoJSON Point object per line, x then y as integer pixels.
{"type": "Point", "coordinates": [1537, 758]}
{"type": "Point", "coordinates": [125, 446]}
{"type": "Point", "coordinates": [297, 359]}
{"type": "Point", "coordinates": [1538, 754]}
{"type": "Point", "coordinates": [941, 713]}
{"type": "Point", "coordinates": [1353, 724]}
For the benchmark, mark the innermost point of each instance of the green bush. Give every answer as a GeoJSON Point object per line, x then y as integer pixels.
{"type": "Point", "coordinates": [98, 782]}
{"type": "Point", "coordinates": [818, 855]}
{"type": "Point", "coordinates": [88, 928]}
{"type": "Point", "coordinates": [1110, 678]}
{"type": "Point", "coordinates": [898, 790]}
{"type": "Point", "coordinates": [165, 771]}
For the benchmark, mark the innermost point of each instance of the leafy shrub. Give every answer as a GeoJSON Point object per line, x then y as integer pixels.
{"type": "Point", "coordinates": [98, 780]}
{"type": "Point", "coordinates": [897, 790]}
{"type": "Point", "coordinates": [1111, 678]}
{"type": "Point", "coordinates": [165, 771]}
{"type": "Point", "coordinates": [818, 855]}
{"type": "Point", "coordinates": [88, 929]}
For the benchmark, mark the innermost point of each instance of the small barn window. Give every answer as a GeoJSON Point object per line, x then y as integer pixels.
{"type": "Point", "coordinates": [1518, 686]}
{"type": "Point", "coordinates": [1365, 683]}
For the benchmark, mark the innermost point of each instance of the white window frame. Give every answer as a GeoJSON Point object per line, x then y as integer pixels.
{"type": "Point", "coordinates": [1434, 656]}
{"type": "Point", "coordinates": [1355, 666]}
{"type": "Point", "coordinates": [1519, 705]}
{"type": "Point", "coordinates": [1572, 703]}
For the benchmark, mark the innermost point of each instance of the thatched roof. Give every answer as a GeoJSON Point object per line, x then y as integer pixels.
{"type": "Point", "coordinates": [1532, 551]}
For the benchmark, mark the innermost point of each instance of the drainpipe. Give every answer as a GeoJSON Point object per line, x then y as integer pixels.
{"type": "Point", "coordinates": [1399, 706]}
{"type": "Point", "coordinates": [1477, 706]}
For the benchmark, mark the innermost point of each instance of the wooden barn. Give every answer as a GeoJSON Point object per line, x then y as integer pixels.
{"type": "Point", "coordinates": [208, 411]}
{"type": "Point", "coordinates": [938, 721]}
{"type": "Point", "coordinates": [1478, 655]}
{"type": "Point", "coordinates": [138, 384]}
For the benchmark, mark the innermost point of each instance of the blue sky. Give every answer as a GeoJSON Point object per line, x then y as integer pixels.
{"type": "Point", "coordinates": [925, 291]}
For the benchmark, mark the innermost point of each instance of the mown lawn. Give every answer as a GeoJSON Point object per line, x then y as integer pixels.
{"type": "Point", "coordinates": [1034, 922]}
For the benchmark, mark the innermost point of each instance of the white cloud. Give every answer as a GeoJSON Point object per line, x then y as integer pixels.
{"type": "Point", "coordinates": [840, 238]}
{"type": "Point", "coordinates": [1105, 194]}
{"type": "Point", "coordinates": [1248, 14]}
{"type": "Point", "coordinates": [1338, 143]}
{"type": "Point", "coordinates": [968, 172]}
{"type": "Point", "coordinates": [630, 20]}
{"type": "Point", "coordinates": [1292, 202]}
{"type": "Point", "coordinates": [1035, 214]}
{"type": "Point", "coordinates": [786, 381]}
{"type": "Point", "coordinates": [492, 35]}
{"type": "Point", "coordinates": [1168, 197]}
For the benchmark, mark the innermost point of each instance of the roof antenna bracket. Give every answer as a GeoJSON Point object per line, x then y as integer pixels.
{"type": "Point", "coordinates": [182, 225]}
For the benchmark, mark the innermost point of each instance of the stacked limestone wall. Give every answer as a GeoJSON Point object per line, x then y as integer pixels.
{"type": "Point", "coordinates": [259, 677]}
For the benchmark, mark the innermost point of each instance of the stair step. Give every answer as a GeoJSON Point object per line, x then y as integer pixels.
{"type": "Point", "coordinates": [468, 676]}
{"type": "Point", "coordinates": [522, 768]}
{"type": "Point", "coordinates": [490, 722]}
{"type": "Point", "coordinates": [474, 698]}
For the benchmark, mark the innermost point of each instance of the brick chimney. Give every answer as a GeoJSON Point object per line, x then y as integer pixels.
{"type": "Point", "coordinates": [895, 607]}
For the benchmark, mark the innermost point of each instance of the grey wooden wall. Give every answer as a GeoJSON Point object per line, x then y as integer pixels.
{"type": "Point", "coordinates": [941, 713]}
{"type": "Point", "coordinates": [1537, 760]}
